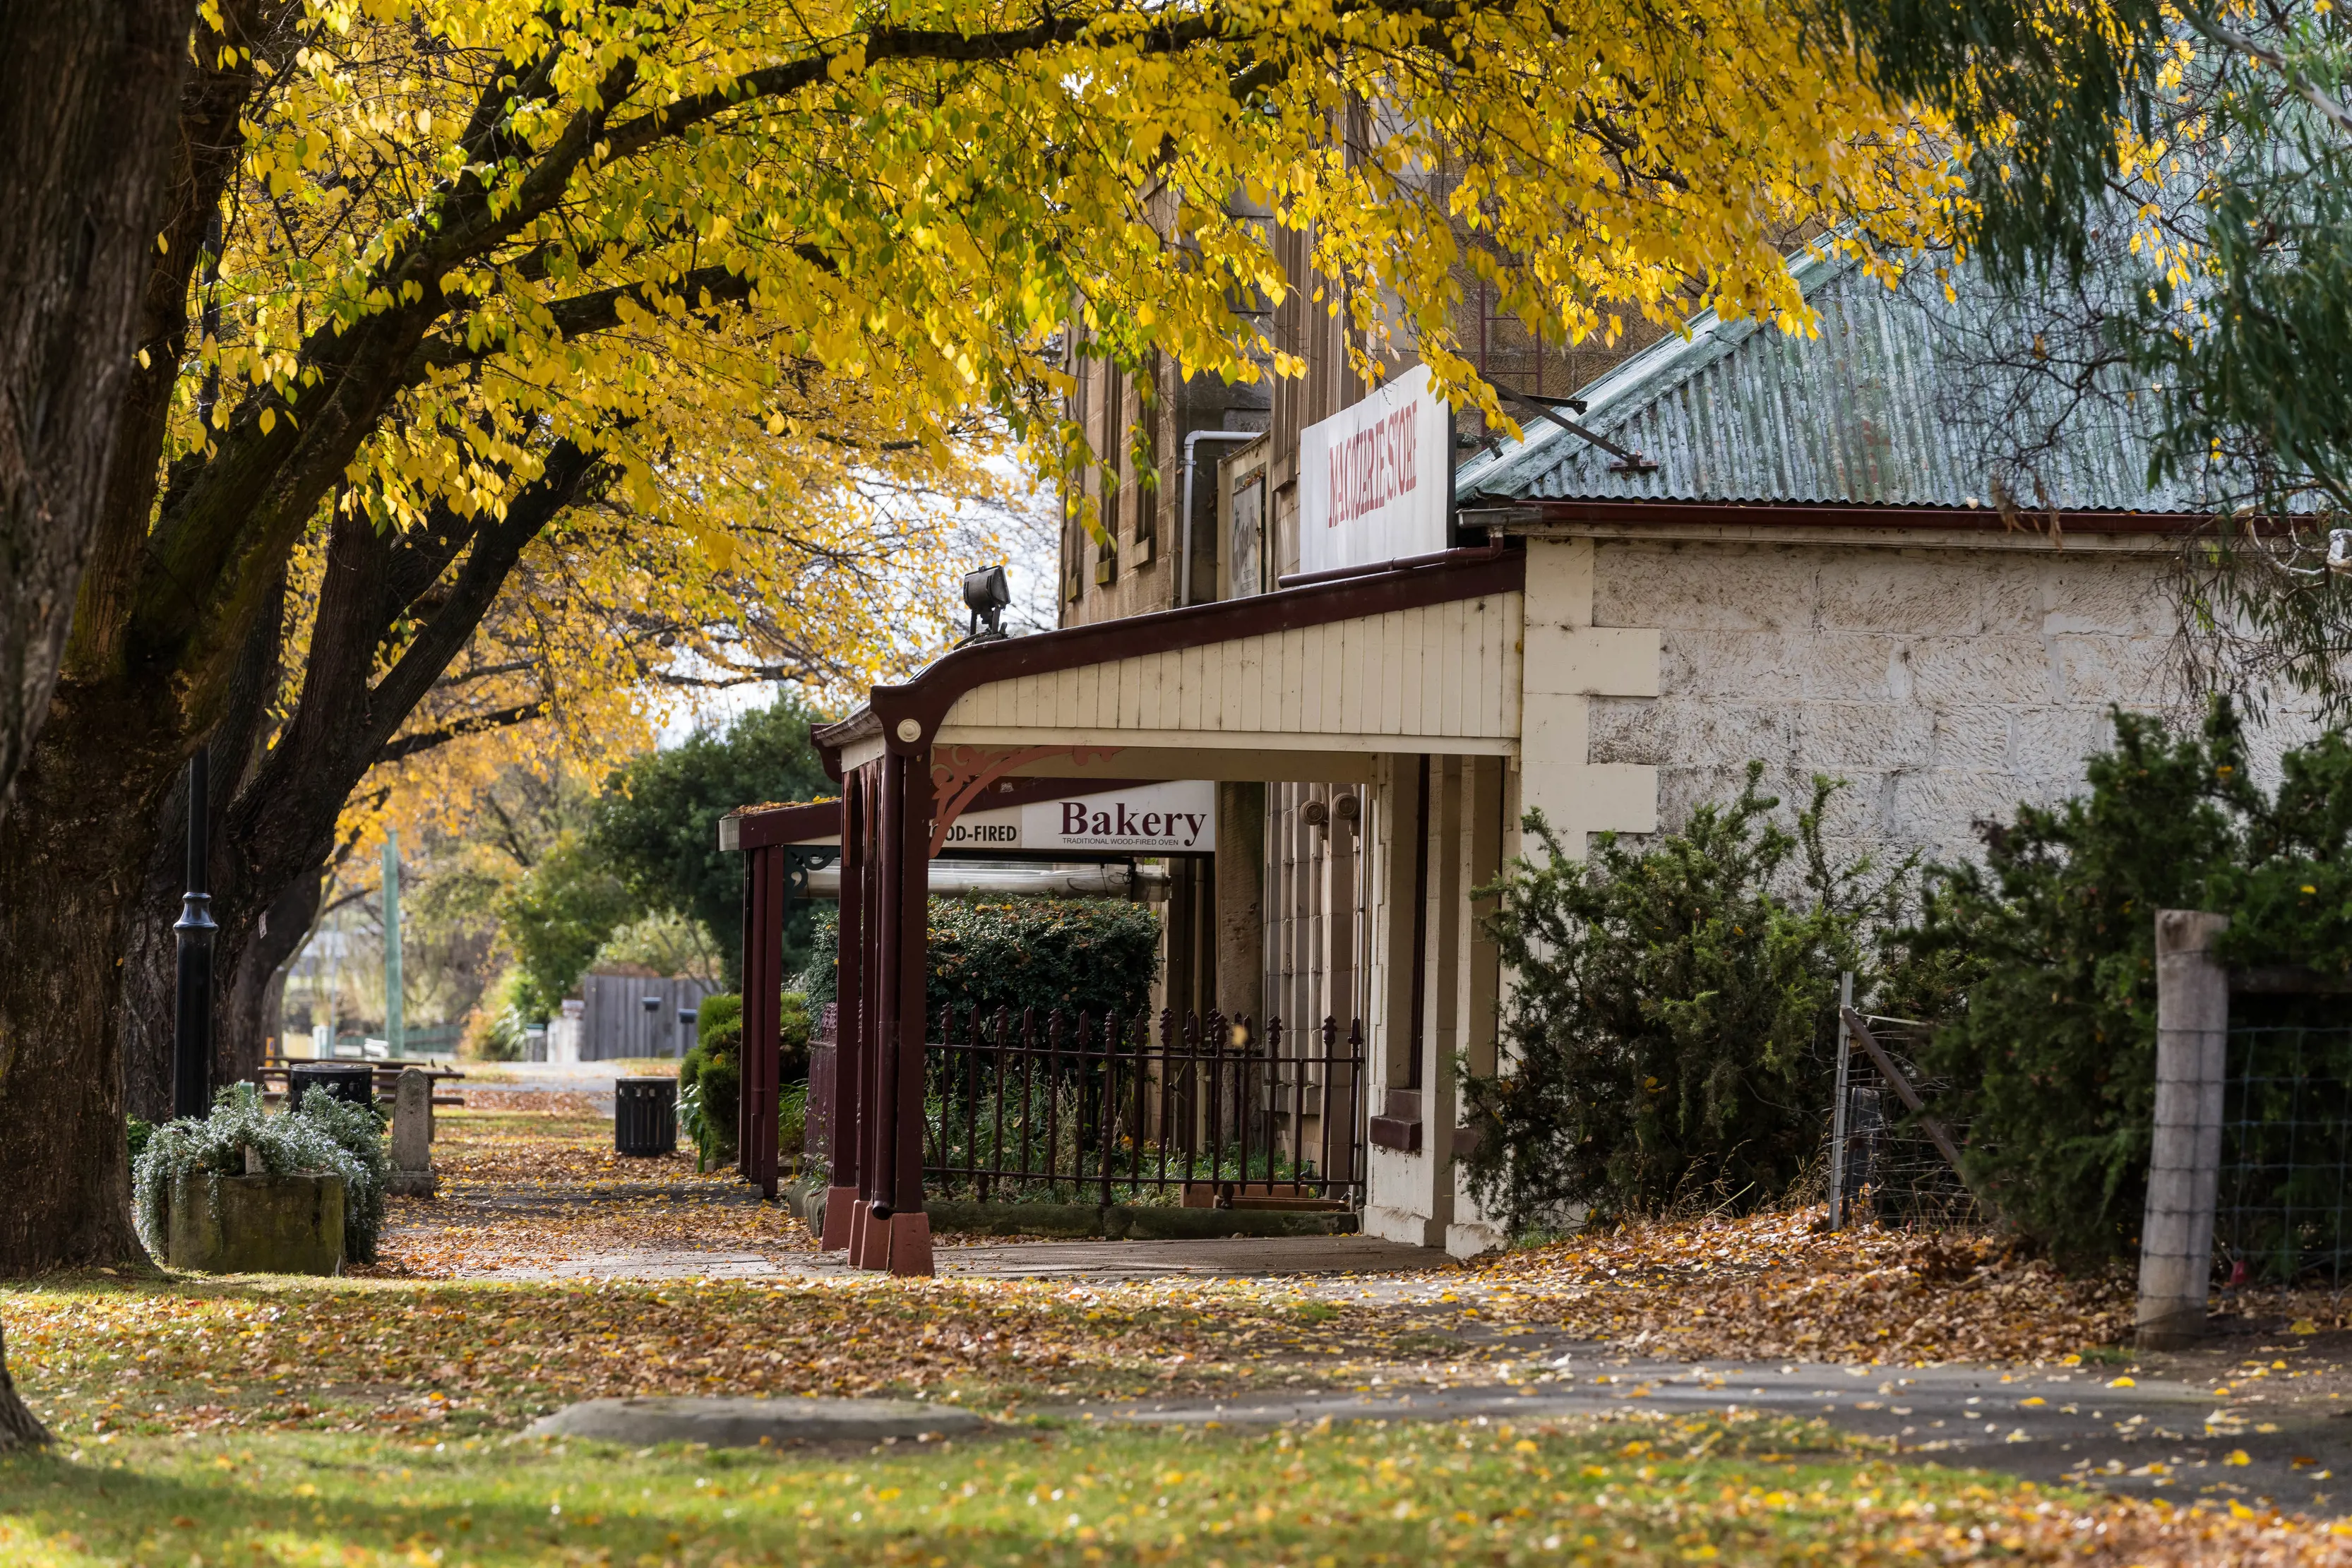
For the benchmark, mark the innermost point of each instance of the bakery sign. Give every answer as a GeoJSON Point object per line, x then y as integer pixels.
{"type": "Point", "coordinates": [1146, 818]}
{"type": "Point", "coordinates": [1373, 478]}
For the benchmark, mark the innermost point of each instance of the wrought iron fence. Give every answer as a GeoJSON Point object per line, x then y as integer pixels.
{"type": "Point", "coordinates": [1893, 1173]}
{"type": "Point", "coordinates": [1207, 1112]}
{"type": "Point", "coordinates": [2280, 1218]}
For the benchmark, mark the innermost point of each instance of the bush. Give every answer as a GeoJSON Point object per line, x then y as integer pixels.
{"type": "Point", "coordinates": [1673, 1005]}
{"type": "Point", "coordinates": [323, 1134]}
{"type": "Point", "coordinates": [2053, 1053]}
{"type": "Point", "coordinates": [658, 821]}
{"type": "Point", "coordinates": [495, 1029]}
{"type": "Point", "coordinates": [1081, 954]}
{"type": "Point", "coordinates": [710, 1079]}
{"type": "Point", "coordinates": [556, 917]}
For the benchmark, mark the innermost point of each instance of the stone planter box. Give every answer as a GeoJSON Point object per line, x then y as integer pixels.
{"type": "Point", "coordinates": [256, 1224]}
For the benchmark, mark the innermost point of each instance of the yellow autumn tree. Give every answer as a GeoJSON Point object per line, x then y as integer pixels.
{"type": "Point", "coordinates": [437, 273]}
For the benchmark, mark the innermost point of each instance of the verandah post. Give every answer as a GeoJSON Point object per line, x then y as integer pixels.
{"type": "Point", "coordinates": [849, 1019]}
{"type": "Point", "coordinates": [911, 792]}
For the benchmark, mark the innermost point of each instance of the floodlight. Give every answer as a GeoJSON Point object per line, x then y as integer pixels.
{"type": "Point", "coordinates": [986, 593]}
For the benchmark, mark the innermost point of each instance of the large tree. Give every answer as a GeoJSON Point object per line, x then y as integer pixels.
{"type": "Point", "coordinates": [87, 143]}
{"type": "Point", "coordinates": [431, 253]}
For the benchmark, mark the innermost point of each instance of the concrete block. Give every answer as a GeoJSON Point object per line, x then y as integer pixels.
{"type": "Point", "coordinates": [1871, 590]}
{"type": "Point", "coordinates": [1706, 587]}
{"type": "Point", "coordinates": [1387, 1223]}
{"type": "Point", "coordinates": [1475, 1238]}
{"type": "Point", "coordinates": [1560, 577]}
{"type": "Point", "coordinates": [2011, 594]}
{"type": "Point", "coordinates": [1841, 736]}
{"type": "Point", "coordinates": [2102, 668]}
{"type": "Point", "coordinates": [1555, 731]}
{"type": "Point", "coordinates": [1855, 666]}
{"type": "Point", "coordinates": [1624, 729]}
{"type": "Point", "coordinates": [1731, 733]}
{"type": "Point", "coordinates": [2051, 746]}
{"type": "Point", "coordinates": [1597, 798]}
{"type": "Point", "coordinates": [1857, 812]}
{"type": "Point", "coordinates": [1682, 790]}
{"type": "Point", "coordinates": [1972, 738]}
{"type": "Point", "coordinates": [1761, 666]}
{"type": "Point", "coordinates": [1982, 670]}
{"type": "Point", "coordinates": [2118, 597]}
{"type": "Point", "coordinates": [256, 1224]}
{"type": "Point", "coordinates": [752, 1423]}
{"type": "Point", "coordinates": [1941, 808]}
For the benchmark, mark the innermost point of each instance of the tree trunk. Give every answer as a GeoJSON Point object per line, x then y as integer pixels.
{"type": "Point", "coordinates": [19, 1428]}
{"type": "Point", "coordinates": [254, 994]}
{"type": "Point", "coordinates": [88, 109]}
{"type": "Point", "coordinates": [72, 849]}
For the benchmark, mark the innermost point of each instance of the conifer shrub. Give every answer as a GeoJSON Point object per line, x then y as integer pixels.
{"type": "Point", "coordinates": [1669, 1027]}
{"type": "Point", "coordinates": [2051, 1047]}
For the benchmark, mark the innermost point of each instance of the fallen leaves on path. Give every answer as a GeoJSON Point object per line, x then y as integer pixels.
{"type": "Point", "coordinates": [1773, 1285]}
{"type": "Point", "coordinates": [454, 1236]}
{"type": "Point", "coordinates": [540, 1142]}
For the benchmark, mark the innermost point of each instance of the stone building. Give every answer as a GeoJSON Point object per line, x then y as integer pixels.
{"type": "Point", "coordinates": [1734, 544]}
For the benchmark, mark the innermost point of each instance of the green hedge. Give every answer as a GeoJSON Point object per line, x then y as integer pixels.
{"type": "Point", "coordinates": [1081, 954]}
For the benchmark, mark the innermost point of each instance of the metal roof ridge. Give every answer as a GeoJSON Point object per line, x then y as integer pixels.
{"type": "Point", "coordinates": [1612, 397]}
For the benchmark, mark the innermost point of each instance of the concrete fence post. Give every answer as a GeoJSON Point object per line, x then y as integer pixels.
{"type": "Point", "coordinates": [2184, 1171]}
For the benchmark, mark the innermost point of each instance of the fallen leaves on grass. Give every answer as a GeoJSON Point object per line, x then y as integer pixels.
{"type": "Point", "coordinates": [1772, 1285]}
{"type": "Point", "coordinates": [1697, 1489]}
{"type": "Point", "coordinates": [179, 1358]}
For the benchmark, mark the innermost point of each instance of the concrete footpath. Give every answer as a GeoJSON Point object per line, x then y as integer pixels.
{"type": "Point", "coordinates": [2151, 1439]}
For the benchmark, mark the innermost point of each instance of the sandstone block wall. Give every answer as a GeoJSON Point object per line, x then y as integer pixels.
{"type": "Point", "coordinates": [1944, 685]}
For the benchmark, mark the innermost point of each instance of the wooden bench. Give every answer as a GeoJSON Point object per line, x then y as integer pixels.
{"type": "Point", "coordinates": [275, 1069]}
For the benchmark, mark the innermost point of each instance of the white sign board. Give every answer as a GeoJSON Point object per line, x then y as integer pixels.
{"type": "Point", "coordinates": [1373, 478]}
{"type": "Point", "coordinates": [1150, 818]}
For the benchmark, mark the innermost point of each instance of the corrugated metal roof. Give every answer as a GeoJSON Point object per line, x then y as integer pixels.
{"type": "Point", "coordinates": [1893, 404]}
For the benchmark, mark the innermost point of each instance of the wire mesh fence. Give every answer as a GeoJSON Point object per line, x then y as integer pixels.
{"type": "Point", "coordinates": [1884, 1167]}
{"type": "Point", "coordinates": [2280, 1239]}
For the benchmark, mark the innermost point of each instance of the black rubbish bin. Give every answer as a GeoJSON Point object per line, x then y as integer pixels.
{"type": "Point", "coordinates": [352, 1081]}
{"type": "Point", "coordinates": [645, 1116]}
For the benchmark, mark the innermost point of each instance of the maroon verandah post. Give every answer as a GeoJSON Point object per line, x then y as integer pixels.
{"type": "Point", "coordinates": [762, 1048]}
{"type": "Point", "coordinates": [849, 1027]}
{"type": "Point", "coordinates": [911, 1226]}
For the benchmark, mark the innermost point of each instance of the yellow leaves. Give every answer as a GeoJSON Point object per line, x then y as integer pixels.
{"type": "Point", "coordinates": [2124, 1383]}
{"type": "Point", "coordinates": [2237, 1457]}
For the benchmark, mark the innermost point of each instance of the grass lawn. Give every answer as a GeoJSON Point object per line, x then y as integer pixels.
{"type": "Point", "coordinates": [374, 1420]}
{"type": "Point", "coordinates": [1704, 1488]}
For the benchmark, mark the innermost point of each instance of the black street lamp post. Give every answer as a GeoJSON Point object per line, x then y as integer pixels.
{"type": "Point", "coordinates": [192, 1030]}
